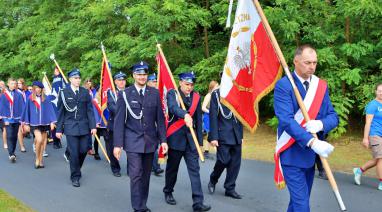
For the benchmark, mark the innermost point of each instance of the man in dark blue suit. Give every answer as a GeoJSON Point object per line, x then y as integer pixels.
{"type": "Point", "coordinates": [120, 83]}
{"type": "Point", "coordinates": [76, 121]}
{"type": "Point", "coordinates": [226, 133]}
{"type": "Point", "coordinates": [180, 140]}
{"type": "Point", "coordinates": [296, 147]}
{"type": "Point", "coordinates": [139, 127]}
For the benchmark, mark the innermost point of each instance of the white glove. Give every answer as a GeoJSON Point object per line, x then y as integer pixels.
{"type": "Point", "coordinates": [322, 148]}
{"type": "Point", "coordinates": [314, 126]}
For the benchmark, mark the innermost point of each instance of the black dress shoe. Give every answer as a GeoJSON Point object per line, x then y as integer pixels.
{"type": "Point", "coordinates": [117, 174]}
{"type": "Point", "coordinates": [211, 187]}
{"type": "Point", "coordinates": [201, 207]}
{"type": "Point", "coordinates": [233, 194]}
{"type": "Point", "coordinates": [158, 172]}
{"type": "Point", "coordinates": [76, 183]}
{"type": "Point", "coordinates": [97, 157]}
{"type": "Point", "coordinates": [169, 199]}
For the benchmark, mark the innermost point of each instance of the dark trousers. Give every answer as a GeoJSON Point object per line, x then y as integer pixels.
{"type": "Point", "coordinates": [12, 131]}
{"type": "Point", "coordinates": [77, 147]}
{"type": "Point", "coordinates": [299, 182]}
{"type": "Point", "coordinates": [192, 161]}
{"type": "Point", "coordinates": [140, 165]}
{"type": "Point", "coordinates": [114, 164]}
{"type": "Point", "coordinates": [227, 157]}
{"type": "Point", "coordinates": [320, 168]}
{"type": "Point", "coordinates": [156, 165]}
{"type": "Point", "coordinates": [56, 141]}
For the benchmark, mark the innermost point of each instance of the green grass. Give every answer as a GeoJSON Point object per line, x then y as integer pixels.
{"type": "Point", "coordinates": [11, 204]}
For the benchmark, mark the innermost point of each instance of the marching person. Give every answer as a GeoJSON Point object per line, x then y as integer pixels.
{"type": "Point", "coordinates": [3, 88]}
{"type": "Point", "coordinates": [157, 170]}
{"type": "Point", "coordinates": [180, 140]}
{"type": "Point", "coordinates": [206, 109]}
{"type": "Point", "coordinates": [57, 84]}
{"type": "Point", "coordinates": [11, 107]}
{"type": "Point", "coordinates": [138, 128]}
{"type": "Point", "coordinates": [226, 134]}
{"type": "Point", "coordinates": [372, 137]}
{"type": "Point", "coordinates": [75, 120]}
{"type": "Point", "coordinates": [39, 117]}
{"type": "Point", "coordinates": [100, 123]}
{"type": "Point", "coordinates": [296, 147]}
{"type": "Point", "coordinates": [22, 88]}
{"type": "Point", "coordinates": [120, 83]}
{"type": "Point", "coordinates": [92, 92]}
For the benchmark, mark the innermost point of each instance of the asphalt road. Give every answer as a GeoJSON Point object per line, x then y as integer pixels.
{"type": "Point", "coordinates": [50, 189]}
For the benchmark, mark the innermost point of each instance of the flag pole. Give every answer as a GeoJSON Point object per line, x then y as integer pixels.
{"type": "Point", "coordinates": [52, 57]}
{"type": "Point", "coordinates": [280, 55]}
{"type": "Point", "coordinates": [47, 81]}
{"type": "Point", "coordinates": [201, 156]}
{"type": "Point", "coordinates": [103, 149]}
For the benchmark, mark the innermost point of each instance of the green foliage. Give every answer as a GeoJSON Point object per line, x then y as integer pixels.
{"type": "Point", "coordinates": [346, 33]}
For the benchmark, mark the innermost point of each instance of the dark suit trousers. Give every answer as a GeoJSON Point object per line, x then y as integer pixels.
{"type": "Point", "coordinates": [191, 158]}
{"type": "Point", "coordinates": [77, 147]}
{"type": "Point", "coordinates": [140, 165]}
{"type": "Point", "coordinates": [320, 168]}
{"type": "Point", "coordinates": [12, 129]}
{"type": "Point", "coordinates": [227, 157]}
{"type": "Point", "coordinates": [114, 164]}
{"type": "Point", "coordinates": [156, 164]}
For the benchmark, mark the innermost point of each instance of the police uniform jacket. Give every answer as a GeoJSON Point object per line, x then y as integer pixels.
{"type": "Point", "coordinates": [139, 135]}
{"type": "Point", "coordinates": [75, 123]}
{"type": "Point", "coordinates": [112, 107]}
{"type": "Point", "coordinates": [178, 140]}
{"type": "Point", "coordinates": [226, 131]}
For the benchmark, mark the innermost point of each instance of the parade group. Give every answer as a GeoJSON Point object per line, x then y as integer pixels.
{"type": "Point", "coordinates": [137, 125]}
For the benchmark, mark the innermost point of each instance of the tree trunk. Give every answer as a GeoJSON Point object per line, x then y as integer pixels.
{"type": "Point", "coordinates": [205, 31]}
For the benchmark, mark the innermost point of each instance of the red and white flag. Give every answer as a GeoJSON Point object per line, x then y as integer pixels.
{"type": "Point", "coordinates": [105, 85]}
{"type": "Point", "coordinates": [165, 84]}
{"type": "Point", "coordinates": [252, 67]}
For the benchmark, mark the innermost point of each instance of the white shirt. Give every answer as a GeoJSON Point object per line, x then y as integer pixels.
{"type": "Point", "coordinates": [38, 100]}
{"type": "Point", "coordinates": [139, 89]}
{"type": "Point", "coordinates": [303, 80]}
{"type": "Point", "coordinates": [74, 89]}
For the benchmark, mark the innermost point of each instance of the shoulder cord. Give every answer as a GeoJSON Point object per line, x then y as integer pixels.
{"type": "Point", "coordinates": [113, 95]}
{"type": "Point", "coordinates": [229, 116]}
{"type": "Point", "coordinates": [177, 101]}
{"type": "Point", "coordinates": [67, 106]}
{"type": "Point", "coordinates": [129, 109]}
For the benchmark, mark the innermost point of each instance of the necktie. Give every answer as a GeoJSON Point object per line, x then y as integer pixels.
{"type": "Point", "coordinates": [188, 100]}
{"type": "Point", "coordinates": [77, 92]}
{"type": "Point", "coordinates": [141, 94]}
{"type": "Point", "coordinates": [306, 83]}
{"type": "Point", "coordinates": [12, 93]}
